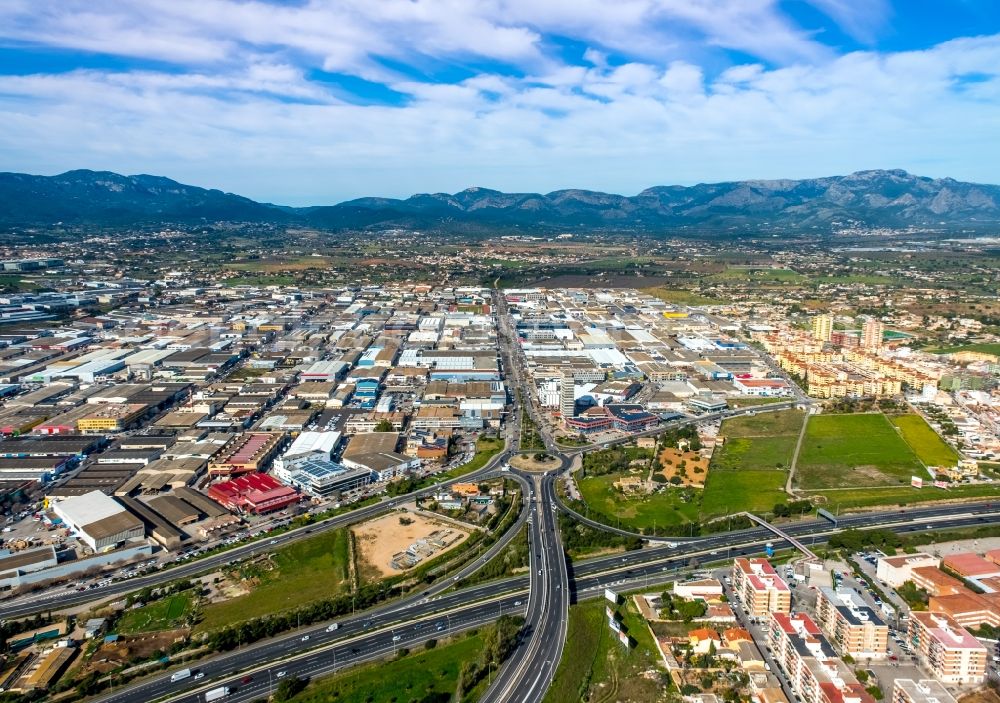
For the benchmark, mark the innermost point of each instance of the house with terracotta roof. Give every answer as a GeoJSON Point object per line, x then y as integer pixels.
{"type": "Point", "coordinates": [704, 640]}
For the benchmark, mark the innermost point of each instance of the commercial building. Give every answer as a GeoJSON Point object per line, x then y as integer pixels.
{"type": "Point", "coordinates": [322, 478]}
{"type": "Point", "coordinates": [253, 493]}
{"type": "Point", "coordinates": [947, 649]}
{"type": "Point", "coordinates": [98, 520]}
{"type": "Point", "coordinates": [385, 465]}
{"type": "Point", "coordinates": [895, 571]}
{"type": "Point", "coordinates": [759, 587]}
{"type": "Point", "coordinates": [246, 453]}
{"type": "Point", "coordinates": [852, 626]}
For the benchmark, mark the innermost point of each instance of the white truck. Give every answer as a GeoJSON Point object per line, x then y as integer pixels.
{"type": "Point", "coordinates": [216, 693]}
{"type": "Point", "coordinates": [180, 675]}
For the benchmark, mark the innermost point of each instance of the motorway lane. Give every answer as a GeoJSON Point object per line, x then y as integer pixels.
{"type": "Point", "coordinates": [529, 670]}
{"type": "Point", "coordinates": [627, 571]}
{"type": "Point", "coordinates": [36, 603]}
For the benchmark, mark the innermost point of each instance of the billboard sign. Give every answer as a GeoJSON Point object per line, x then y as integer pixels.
{"type": "Point", "coordinates": [624, 639]}
{"type": "Point", "coordinates": [614, 625]}
{"type": "Point", "coordinates": [611, 595]}
{"type": "Point", "coordinates": [941, 484]}
{"type": "Point", "coordinates": [916, 482]}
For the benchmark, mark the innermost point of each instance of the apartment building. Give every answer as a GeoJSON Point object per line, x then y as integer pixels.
{"type": "Point", "coordinates": [852, 626]}
{"type": "Point", "coordinates": [759, 587]}
{"type": "Point", "coordinates": [951, 653]}
{"type": "Point", "coordinates": [815, 672]}
{"type": "Point", "coordinates": [922, 691]}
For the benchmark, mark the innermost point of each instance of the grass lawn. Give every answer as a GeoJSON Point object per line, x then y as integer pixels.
{"type": "Point", "coordinates": [164, 614]}
{"type": "Point", "coordinates": [486, 449]}
{"type": "Point", "coordinates": [902, 495]}
{"type": "Point", "coordinates": [750, 402]}
{"type": "Point", "coordinates": [855, 450]}
{"type": "Point", "coordinates": [925, 442]}
{"type": "Point", "coordinates": [783, 422]}
{"type": "Point", "coordinates": [985, 348]}
{"type": "Point", "coordinates": [733, 491]}
{"type": "Point", "coordinates": [411, 678]}
{"type": "Point", "coordinates": [680, 297]}
{"type": "Point", "coordinates": [303, 572]}
{"type": "Point", "coordinates": [595, 663]}
{"type": "Point", "coordinates": [754, 454]}
{"type": "Point", "coordinates": [638, 512]}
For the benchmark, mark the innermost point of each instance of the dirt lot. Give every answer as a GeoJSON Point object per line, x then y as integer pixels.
{"type": "Point", "coordinates": [378, 540]}
{"type": "Point", "coordinates": [671, 458]}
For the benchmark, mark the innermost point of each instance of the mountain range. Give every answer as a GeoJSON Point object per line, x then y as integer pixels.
{"type": "Point", "coordinates": [877, 198]}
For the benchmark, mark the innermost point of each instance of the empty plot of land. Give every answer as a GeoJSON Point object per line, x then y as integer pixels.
{"type": "Point", "coordinates": [383, 540]}
{"type": "Point", "coordinates": [855, 450]}
{"type": "Point", "coordinates": [925, 442]}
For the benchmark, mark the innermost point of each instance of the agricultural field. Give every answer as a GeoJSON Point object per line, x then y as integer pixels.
{"type": "Point", "coordinates": [167, 613]}
{"type": "Point", "coordinates": [924, 441]}
{"type": "Point", "coordinates": [596, 667]}
{"type": "Point", "coordinates": [855, 450]}
{"type": "Point", "coordinates": [984, 348]}
{"type": "Point", "coordinates": [637, 512]}
{"type": "Point", "coordinates": [302, 572]}
{"type": "Point", "coordinates": [730, 492]}
{"type": "Point", "coordinates": [680, 297]}
{"type": "Point", "coordinates": [749, 469]}
{"type": "Point", "coordinates": [848, 498]}
{"type": "Point", "coordinates": [416, 677]}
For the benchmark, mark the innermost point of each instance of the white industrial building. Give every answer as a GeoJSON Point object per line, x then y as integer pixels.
{"type": "Point", "coordinates": [99, 521]}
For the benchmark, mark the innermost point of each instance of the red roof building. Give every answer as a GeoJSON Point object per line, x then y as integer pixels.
{"type": "Point", "coordinates": [253, 493]}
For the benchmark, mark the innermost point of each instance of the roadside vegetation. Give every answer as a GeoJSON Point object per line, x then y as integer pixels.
{"type": "Point", "coordinates": [596, 666]}
{"type": "Point", "coordinates": [295, 575]}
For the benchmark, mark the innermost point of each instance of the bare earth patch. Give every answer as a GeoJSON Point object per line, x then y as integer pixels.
{"type": "Point", "coordinates": [379, 540]}
{"type": "Point", "coordinates": [671, 458]}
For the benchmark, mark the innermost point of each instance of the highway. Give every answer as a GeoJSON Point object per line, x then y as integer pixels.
{"type": "Point", "coordinates": [369, 636]}
{"type": "Point", "coordinates": [34, 603]}
{"type": "Point", "coordinates": [526, 675]}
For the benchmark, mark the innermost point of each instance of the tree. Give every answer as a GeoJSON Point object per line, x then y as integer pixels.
{"type": "Point", "coordinates": [288, 688]}
{"type": "Point", "coordinates": [383, 426]}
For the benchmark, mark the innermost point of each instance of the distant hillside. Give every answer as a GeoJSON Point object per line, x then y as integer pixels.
{"type": "Point", "coordinates": [873, 198]}
{"type": "Point", "coordinates": [108, 199]}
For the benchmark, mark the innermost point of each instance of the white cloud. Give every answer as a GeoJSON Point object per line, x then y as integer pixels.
{"type": "Point", "coordinates": [239, 111]}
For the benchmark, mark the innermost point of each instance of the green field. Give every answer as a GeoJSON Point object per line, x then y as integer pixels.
{"type": "Point", "coordinates": [759, 275]}
{"type": "Point", "coordinates": [783, 422]}
{"type": "Point", "coordinates": [925, 442]}
{"type": "Point", "coordinates": [854, 450]}
{"type": "Point", "coordinates": [165, 614]}
{"type": "Point", "coordinates": [486, 449]}
{"type": "Point", "coordinates": [901, 495]}
{"type": "Point", "coordinates": [658, 510]}
{"type": "Point", "coordinates": [596, 667]}
{"type": "Point", "coordinates": [680, 297]}
{"type": "Point", "coordinates": [749, 469]}
{"type": "Point", "coordinates": [303, 572]}
{"type": "Point", "coordinates": [985, 348]}
{"type": "Point", "coordinates": [416, 677]}
{"type": "Point", "coordinates": [728, 492]}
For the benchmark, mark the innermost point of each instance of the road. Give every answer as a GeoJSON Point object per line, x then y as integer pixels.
{"type": "Point", "coordinates": [368, 636]}
{"type": "Point", "coordinates": [526, 675]}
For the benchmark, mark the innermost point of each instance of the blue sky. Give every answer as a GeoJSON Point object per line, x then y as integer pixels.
{"type": "Point", "coordinates": [318, 101]}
